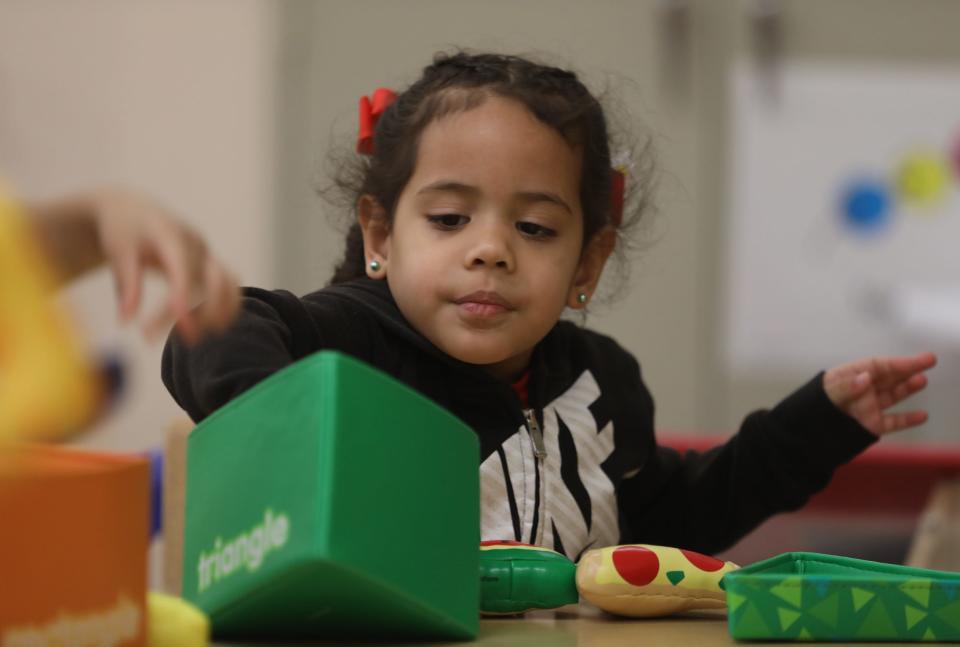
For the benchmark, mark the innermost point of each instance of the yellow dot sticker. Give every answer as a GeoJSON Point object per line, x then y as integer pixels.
{"type": "Point", "coordinates": [922, 178]}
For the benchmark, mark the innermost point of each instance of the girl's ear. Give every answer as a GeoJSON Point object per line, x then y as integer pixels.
{"type": "Point", "coordinates": [592, 262]}
{"type": "Point", "coordinates": [376, 236]}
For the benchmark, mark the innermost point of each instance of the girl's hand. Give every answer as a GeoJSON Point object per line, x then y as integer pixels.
{"type": "Point", "coordinates": [865, 389]}
{"type": "Point", "coordinates": [131, 233]}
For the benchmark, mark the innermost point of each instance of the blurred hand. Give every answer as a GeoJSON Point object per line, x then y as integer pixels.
{"type": "Point", "coordinates": [131, 233]}
{"type": "Point", "coordinates": [865, 389]}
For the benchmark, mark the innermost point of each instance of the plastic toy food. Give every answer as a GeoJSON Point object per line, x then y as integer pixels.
{"type": "Point", "coordinates": [517, 577]}
{"type": "Point", "coordinates": [641, 580]}
{"type": "Point", "coordinates": [49, 389]}
{"type": "Point", "coordinates": [174, 622]}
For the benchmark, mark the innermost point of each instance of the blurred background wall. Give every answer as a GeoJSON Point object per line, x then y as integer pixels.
{"type": "Point", "coordinates": [226, 109]}
{"type": "Point", "coordinates": [175, 98]}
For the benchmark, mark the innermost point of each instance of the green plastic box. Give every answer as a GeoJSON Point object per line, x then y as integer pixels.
{"type": "Point", "coordinates": [809, 596]}
{"type": "Point", "coordinates": [332, 501]}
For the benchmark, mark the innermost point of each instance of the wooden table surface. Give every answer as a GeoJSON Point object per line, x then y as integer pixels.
{"type": "Point", "coordinates": [586, 626]}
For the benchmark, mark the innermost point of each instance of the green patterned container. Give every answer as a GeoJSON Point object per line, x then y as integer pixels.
{"type": "Point", "coordinates": [332, 501]}
{"type": "Point", "coordinates": [808, 596]}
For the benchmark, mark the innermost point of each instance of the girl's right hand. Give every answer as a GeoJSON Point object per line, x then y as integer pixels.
{"type": "Point", "coordinates": [131, 233]}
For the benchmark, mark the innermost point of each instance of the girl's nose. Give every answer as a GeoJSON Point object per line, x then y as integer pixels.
{"type": "Point", "coordinates": [491, 249]}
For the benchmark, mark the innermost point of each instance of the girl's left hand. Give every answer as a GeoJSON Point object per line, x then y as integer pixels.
{"type": "Point", "coordinates": [865, 389]}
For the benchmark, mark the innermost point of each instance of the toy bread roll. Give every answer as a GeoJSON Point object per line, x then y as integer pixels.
{"type": "Point", "coordinates": [641, 580]}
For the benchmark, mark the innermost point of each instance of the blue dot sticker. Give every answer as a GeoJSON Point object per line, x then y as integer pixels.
{"type": "Point", "coordinates": [865, 206]}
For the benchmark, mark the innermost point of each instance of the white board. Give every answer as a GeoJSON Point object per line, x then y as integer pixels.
{"type": "Point", "coordinates": [803, 289]}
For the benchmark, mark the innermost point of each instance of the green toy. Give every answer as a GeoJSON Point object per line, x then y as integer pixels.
{"type": "Point", "coordinates": [809, 596]}
{"type": "Point", "coordinates": [516, 577]}
{"type": "Point", "coordinates": [795, 596]}
{"type": "Point", "coordinates": [332, 501]}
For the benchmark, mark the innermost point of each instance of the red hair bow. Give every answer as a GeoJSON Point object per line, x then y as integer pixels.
{"type": "Point", "coordinates": [370, 111]}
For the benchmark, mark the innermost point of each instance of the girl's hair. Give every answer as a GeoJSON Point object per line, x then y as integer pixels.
{"type": "Point", "coordinates": [458, 82]}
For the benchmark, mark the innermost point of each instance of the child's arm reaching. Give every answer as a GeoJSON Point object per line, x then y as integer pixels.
{"type": "Point", "coordinates": [865, 389]}
{"type": "Point", "coordinates": [203, 377]}
{"type": "Point", "coordinates": [273, 330]}
{"type": "Point", "coordinates": [131, 233]}
{"type": "Point", "coordinates": [778, 460]}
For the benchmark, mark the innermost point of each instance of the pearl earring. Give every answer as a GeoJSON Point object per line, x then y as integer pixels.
{"type": "Point", "coordinates": [582, 298]}
{"type": "Point", "coordinates": [375, 265]}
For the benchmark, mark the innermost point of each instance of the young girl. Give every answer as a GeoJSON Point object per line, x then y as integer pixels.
{"type": "Point", "coordinates": [482, 214]}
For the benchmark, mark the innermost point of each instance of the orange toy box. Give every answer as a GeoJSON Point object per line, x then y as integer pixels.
{"type": "Point", "coordinates": [73, 547]}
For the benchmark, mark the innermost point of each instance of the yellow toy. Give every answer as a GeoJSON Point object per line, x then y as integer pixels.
{"type": "Point", "coordinates": [48, 388]}
{"type": "Point", "coordinates": [174, 622]}
{"type": "Point", "coordinates": [642, 581]}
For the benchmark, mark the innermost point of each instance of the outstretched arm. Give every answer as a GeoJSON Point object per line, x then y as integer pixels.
{"type": "Point", "coordinates": [778, 459]}
{"type": "Point", "coordinates": [865, 389]}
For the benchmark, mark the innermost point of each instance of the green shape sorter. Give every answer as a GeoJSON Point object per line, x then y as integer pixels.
{"type": "Point", "coordinates": [332, 501]}
{"type": "Point", "coordinates": [809, 596]}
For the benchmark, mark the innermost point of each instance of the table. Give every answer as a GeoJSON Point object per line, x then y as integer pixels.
{"type": "Point", "coordinates": [586, 626]}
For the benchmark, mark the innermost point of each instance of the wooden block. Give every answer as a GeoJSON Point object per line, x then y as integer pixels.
{"type": "Point", "coordinates": [174, 500]}
{"type": "Point", "coordinates": [936, 541]}
{"type": "Point", "coordinates": [73, 551]}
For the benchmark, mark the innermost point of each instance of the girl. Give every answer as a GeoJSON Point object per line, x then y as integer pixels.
{"type": "Point", "coordinates": [483, 213]}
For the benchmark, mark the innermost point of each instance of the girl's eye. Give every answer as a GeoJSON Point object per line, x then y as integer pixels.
{"type": "Point", "coordinates": [534, 230]}
{"type": "Point", "coordinates": [448, 220]}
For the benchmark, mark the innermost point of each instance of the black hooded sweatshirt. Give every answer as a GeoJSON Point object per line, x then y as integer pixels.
{"type": "Point", "coordinates": [580, 468]}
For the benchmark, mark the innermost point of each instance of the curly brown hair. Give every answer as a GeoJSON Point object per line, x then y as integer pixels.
{"type": "Point", "coordinates": [461, 81]}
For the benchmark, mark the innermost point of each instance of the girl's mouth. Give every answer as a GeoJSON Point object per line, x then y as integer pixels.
{"type": "Point", "coordinates": [482, 310]}
{"type": "Point", "coordinates": [482, 305]}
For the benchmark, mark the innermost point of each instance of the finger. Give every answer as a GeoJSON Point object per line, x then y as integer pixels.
{"type": "Point", "coordinates": [231, 300]}
{"type": "Point", "coordinates": [166, 317]}
{"type": "Point", "coordinates": [844, 390]}
{"type": "Point", "coordinates": [215, 313]}
{"type": "Point", "coordinates": [158, 324]}
{"type": "Point", "coordinates": [164, 320]}
{"type": "Point", "coordinates": [927, 360]}
{"type": "Point", "coordinates": [903, 420]}
{"type": "Point", "coordinates": [867, 412]}
{"type": "Point", "coordinates": [127, 275]}
{"type": "Point", "coordinates": [888, 371]}
{"type": "Point", "coordinates": [903, 390]}
{"type": "Point", "coordinates": [177, 266]}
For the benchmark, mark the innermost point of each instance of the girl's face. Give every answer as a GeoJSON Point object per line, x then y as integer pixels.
{"type": "Point", "coordinates": [484, 251]}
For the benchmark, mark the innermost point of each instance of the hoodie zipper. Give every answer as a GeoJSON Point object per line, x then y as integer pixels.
{"type": "Point", "coordinates": [536, 436]}
{"type": "Point", "coordinates": [540, 453]}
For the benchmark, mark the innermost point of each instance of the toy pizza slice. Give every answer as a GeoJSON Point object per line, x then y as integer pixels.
{"type": "Point", "coordinates": [641, 580]}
